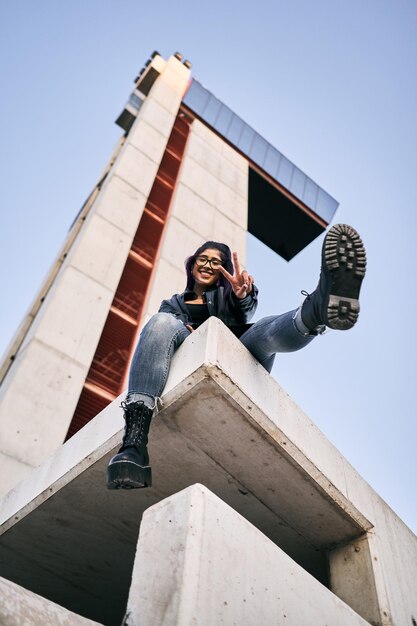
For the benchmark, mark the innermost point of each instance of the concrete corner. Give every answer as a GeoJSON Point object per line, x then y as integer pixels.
{"type": "Point", "coordinates": [200, 562]}
{"type": "Point", "coordinates": [20, 607]}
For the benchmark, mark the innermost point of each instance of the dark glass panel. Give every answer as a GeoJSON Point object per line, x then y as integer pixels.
{"type": "Point", "coordinates": [197, 97]}
{"type": "Point", "coordinates": [135, 101]}
{"type": "Point", "coordinates": [223, 120]}
{"type": "Point", "coordinates": [285, 172]}
{"type": "Point", "coordinates": [258, 150]}
{"type": "Point", "coordinates": [235, 129]}
{"type": "Point", "coordinates": [211, 110]}
{"type": "Point", "coordinates": [310, 194]}
{"type": "Point", "coordinates": [326, 205]}
{"type": "Point", "coordinates": [297, 182]}
{"type": "Point", "coordinates": [246, 138]}
{"type": "Point", "coordinates": [272, 161]}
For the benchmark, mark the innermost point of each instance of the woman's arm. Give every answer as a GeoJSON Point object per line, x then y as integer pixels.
{"type": "Point", "coordinates": [241, 282]}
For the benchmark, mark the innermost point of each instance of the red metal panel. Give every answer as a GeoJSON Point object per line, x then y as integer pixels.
{"type": "Point", "coordinates": [130, 293]}
{"type": "Point", "coordinates": [111, 360]}
{"type": "Point", "coordinates": [89, 405]}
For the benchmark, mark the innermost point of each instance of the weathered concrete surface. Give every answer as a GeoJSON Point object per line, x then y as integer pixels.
{"type": "Point", "coordinates": [200, 562]}
{"type": "Point", "coordinates": [227, 424]}
{"type": "Point", "coordinates": [350, 565]}
{"type": "Point", "coordinates": [20, 607]}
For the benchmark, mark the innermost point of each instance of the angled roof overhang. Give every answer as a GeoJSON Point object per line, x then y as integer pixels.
{"type": "Point", "coordinates": [287, 209]}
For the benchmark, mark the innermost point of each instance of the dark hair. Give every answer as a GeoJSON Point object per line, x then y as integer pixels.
{"type": "Point", "coordinates": [227, 263]}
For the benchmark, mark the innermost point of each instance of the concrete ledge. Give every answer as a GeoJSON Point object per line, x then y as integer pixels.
{"type": "Point", "coordinates": [20, 607]}
{"type": "Point", "coordinates": [225, 423]}
{"type": "Point", "coordinates": [200, 562]}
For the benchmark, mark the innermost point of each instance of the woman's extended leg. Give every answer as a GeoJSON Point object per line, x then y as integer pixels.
{"type": "Point", "coordinates": [162, 335]}
{"type": "Point", "coordinates": [276, 333]}
{"type": "Point", "coordinates": [334, 302]}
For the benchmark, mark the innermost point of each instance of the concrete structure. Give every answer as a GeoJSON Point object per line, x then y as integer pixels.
{"type": "Point", "coordinates": [19, 607]}
{"type": "Point", "coordinates": [198, 561]}
{"type": "Point", "coordinates": [271, 525]}
{"type": "Point", "coordinates": [226, 424]}
{"type": "Point", "coordinates": [186, 170]}
{"type": "Point", "coordinates": [53, 352]}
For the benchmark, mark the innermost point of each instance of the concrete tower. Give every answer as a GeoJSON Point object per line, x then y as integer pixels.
{"type": "Point", "coordinates": [254, 517]}
{"type": "Point", "coordinates": [186, 170]}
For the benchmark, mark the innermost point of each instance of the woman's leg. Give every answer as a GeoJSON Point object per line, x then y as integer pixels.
{"type": "Point", "coordinates": [149, 368]}
{"type": "Point", "coordinates": [276, 333]}
{"type": "Point", "coordinates": [129, 468]}
{"type": "Point", "coordinates": [334, 303]}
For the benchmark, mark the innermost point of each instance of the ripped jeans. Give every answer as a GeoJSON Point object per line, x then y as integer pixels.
{"type": "Point", "coordinates": [164, 333]}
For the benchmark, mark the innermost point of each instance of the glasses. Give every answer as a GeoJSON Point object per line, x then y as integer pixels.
{"type": "Point", "coordinates": [203, 260]}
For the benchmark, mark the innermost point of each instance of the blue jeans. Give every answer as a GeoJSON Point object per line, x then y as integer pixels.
{"type": "Point", "coordinates": [163, 334]}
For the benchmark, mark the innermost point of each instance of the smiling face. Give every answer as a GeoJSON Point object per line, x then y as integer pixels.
{"type": "Point", "coordinates": [206, 276]}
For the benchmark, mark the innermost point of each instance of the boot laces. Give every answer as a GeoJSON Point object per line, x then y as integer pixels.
{"type": "Point", "coordinates": [134, 430]}
{"type": "Point", "coordinates": [321, 329]}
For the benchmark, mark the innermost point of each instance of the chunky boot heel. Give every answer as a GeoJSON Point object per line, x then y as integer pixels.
{"type": "Point", "coordinates": [335, 301]}
{"type": "Point", "coordinates": [129, 468]}
{"type": "Point", "coordinates": [128, 475]}
{"type": "Point", "coordinates": [344, 260]}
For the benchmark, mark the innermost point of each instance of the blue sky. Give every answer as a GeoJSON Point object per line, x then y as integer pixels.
{"type": "Point", "coordinates": [331, 84]}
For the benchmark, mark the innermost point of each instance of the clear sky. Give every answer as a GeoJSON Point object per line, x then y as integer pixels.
{"type": "Point", "coordinates": [331, 84]}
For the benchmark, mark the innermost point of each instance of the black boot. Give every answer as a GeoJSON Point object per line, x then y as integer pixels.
{"type": "Point", "coordinates": [129, 468]}
{"type": "Point", "coordinates": [335, 302]}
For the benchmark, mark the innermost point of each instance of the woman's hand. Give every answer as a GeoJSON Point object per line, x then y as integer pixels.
{"type": "Point", "coordinates": [241, 282]}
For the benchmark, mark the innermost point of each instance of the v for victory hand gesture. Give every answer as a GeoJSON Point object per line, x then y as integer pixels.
{"type": "Point", "coordinates": [241, 282]}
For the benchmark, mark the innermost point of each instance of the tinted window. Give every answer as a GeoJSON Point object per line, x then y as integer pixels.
{"type": "Point", "coordinates": [223, 120]}
{"type": "Point", "coordinates": [285, 172]}
{"type": "Point", "coordinates": [272, 160]}
{"type": "Point", "coordinates": [211, 110]}
{"type": "Point", "coordinates": [246, 138]}
{"type": "Point", "coordinates": [297, 182]}
{"type": "Point", "coordinates": [196, 97]}
{"type": "Point", "coordinates": [310, 193]}
{"type": "Point", "coordinates": [326, 205]}
{"type": "Point", "coordinates": [235, 129]}
{"type": "Point", "coordinates": [258, 150]}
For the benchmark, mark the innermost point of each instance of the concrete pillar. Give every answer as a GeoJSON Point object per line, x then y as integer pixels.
{"type": "Point", "coordinates": [200, 562]}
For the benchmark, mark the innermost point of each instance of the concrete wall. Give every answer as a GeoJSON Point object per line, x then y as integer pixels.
{"type": "Point", "coordinates": [20, 607]}
{"type": "Point", "coordinates": [42, 387]}
{"type": "Point", "coordinates": [200, 562]}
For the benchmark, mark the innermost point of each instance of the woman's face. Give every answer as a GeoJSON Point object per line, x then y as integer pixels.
{"type": "Point", "coordinates": [205, 274]}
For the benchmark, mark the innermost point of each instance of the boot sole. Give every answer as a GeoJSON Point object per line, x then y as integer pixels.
{"type": "Point", "coordinates": [344, 262]}
{"type": "Point", "coordinates": [128, 475]}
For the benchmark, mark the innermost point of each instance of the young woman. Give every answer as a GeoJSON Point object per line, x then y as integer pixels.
{"type": "Point", "coordinates": [217, 286]}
